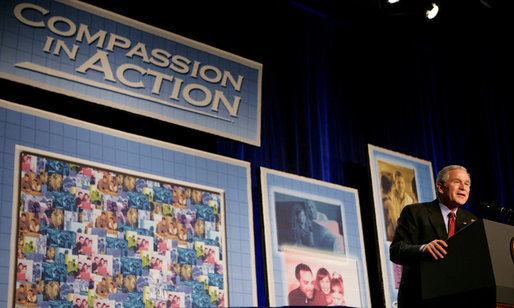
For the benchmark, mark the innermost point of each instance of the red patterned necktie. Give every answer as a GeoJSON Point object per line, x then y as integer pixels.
{"type": "Point", "coordinates": [451, 224]}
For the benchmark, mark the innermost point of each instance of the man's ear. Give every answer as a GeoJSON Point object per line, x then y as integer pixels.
{"type": "Point", "coordinates": [440, 187]}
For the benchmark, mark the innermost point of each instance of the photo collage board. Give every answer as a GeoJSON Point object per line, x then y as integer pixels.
{"type": "Point", "coordinates": [91, 237]}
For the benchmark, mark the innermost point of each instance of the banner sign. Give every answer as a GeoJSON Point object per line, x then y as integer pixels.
{"type": "Point", "coordinates": [86, 52]}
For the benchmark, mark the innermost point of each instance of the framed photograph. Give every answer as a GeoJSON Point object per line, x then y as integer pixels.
{"type": "Point", "coordinates": [336, 280]}
{"type": "Point", "coordinates": [314, 245]}
{"type": "Point", "coordinates": [100, 236]}
{"type": "Point", "coordinates": [308, 223]}
{"type": "Point", "coordinates": [397, 180]}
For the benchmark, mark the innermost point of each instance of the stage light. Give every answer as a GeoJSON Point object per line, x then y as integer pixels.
{"type": "Point", "coordinates": [392, 1]}
{"type": "Point", "coordinates": [432, 12]}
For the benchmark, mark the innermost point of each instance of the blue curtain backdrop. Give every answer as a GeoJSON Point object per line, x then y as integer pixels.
{"type": "Point", "coordinates": [438, 91]}
{"type": "Point", "coordinates": [339, 78]}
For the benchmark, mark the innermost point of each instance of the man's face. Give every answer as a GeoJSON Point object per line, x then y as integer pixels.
{"type": "Point", "coordinates": [301, 219]}
{"type": "Point", "coordinates": [455, 192]}
{"type": "Point", "coordinates": [307, 284]}
{"type": "Point", "coordinates": [400, 185]}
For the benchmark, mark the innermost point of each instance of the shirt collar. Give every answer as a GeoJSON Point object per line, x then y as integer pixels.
{"type": "Point", "coordinates": [445, 210]}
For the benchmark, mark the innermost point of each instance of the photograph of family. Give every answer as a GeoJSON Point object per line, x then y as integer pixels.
{"type": "Point", "coordinates": [314, 280]}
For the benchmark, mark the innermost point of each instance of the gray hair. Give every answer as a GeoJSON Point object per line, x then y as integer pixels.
{"type": "Point", "coordinates": [443, 175]}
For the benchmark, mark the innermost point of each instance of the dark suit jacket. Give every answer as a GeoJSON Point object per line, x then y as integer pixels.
{"type": "Point", "coordinates": [418, 224]}
{"type": "Point", "coordinates": [297, 298]}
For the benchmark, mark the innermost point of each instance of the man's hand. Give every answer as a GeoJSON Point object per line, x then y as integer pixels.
{"type": "Point", "coordinates": [436, 249]}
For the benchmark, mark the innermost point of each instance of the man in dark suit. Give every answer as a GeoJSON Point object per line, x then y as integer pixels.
{"type": "Point", "coordinates": [423, 227]}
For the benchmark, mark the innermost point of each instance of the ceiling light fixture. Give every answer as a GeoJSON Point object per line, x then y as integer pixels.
{"type": "Point", "coordinates": [432, 12]}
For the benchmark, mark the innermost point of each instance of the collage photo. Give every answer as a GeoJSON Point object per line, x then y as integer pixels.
{"type": "Point", "coordinates": [90, 237]}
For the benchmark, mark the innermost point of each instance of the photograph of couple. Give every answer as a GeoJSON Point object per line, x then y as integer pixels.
{"type": "Point", "coordinates": [308, 223]}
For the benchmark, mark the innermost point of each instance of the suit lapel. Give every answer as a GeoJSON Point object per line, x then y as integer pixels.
{"type": "Point", "coordinates": [459, 221]}
{"type": "Point", "coordinates": [463, 219]}
{"type": "Point", "coordinates": [436, 220]}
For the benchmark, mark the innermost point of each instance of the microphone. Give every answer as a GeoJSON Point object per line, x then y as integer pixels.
{"type": "Point", "coordinates": [503, 212]}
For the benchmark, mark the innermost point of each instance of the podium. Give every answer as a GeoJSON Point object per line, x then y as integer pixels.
{"type": "Point", "coordinates": [478, 270]}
